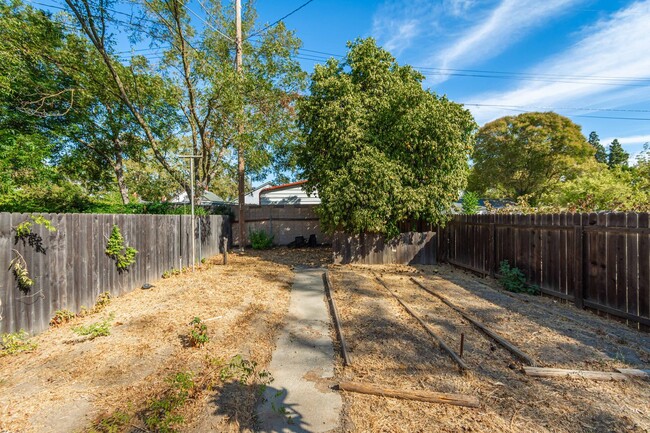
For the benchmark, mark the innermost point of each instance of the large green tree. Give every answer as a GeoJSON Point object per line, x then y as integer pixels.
{"type": "Point", "coordinates": [601, 153]}
{"type": "Point", "coordinates": [212, 98]}
{"type": "Point", "coordinates": [527, 155]}
{"type": "Point", "coordinates": [379, 148]}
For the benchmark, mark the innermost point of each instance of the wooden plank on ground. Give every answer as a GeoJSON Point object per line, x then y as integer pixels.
{"type": "Point", "coordinates": [645, 374]}
{"type": "Point", "coordinates": [426, 396]}
{"type": "Point", "coordinates": [429, 330]}
{"type": "Point", "coordinates": [496, 337]}
{"type": "Point", "coordinates": [573, 374]}
{"type": "Point", "coordinates": [336, 319]}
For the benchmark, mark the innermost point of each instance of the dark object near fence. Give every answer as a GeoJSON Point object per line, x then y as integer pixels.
{"type": "Point", "coordinates": [312, 241]}
{"type": "Point", "coordinates": [600, 261]}
{"type": "Point", "coordinates": [147, 286]}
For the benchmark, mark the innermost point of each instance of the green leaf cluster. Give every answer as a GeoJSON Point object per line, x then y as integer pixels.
{"type": "Point", "coordinates": [123, 255]}
{"type": "Point", "coordinates": [470, 203]}
{"type": "Point", "coordinates": [379, 149]}
{"type": "Point", "coordinates": [16, 342]}
{"type": "Point", "coordinates": [96, 329]}
{"type": "Point", "coordinates": [513, 280]}
{"type": "Point", "coordinates": [260, 240]}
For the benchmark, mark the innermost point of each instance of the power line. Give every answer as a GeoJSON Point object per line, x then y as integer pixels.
{"type": "Point", "coordinates": [277, 21]}
{"type": "Point", "coordinates": [207, 23]}
{"type": "Point", "coordinates": [559, 108]}
{"type": "Point", "coordinates": [584, 115]}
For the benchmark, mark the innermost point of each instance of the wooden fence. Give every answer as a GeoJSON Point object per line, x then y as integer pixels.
{"type": "Point", "coordinates": [598, 261]}
{"type": "Point", "coordinates": [408, 248]}
{"type": "Point", "coordinates": [72, 268]}
{"type": "Point", "coordinates": [283, 222]}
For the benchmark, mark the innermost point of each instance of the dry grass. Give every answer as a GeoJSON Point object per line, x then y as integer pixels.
{"type": "Point", "coordinates": [68, 384]}
{"type": "Point", "coordinates": [389, 347]}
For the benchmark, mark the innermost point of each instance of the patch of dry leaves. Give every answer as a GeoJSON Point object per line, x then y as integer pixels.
{"type": "Point", "coordinates": [69, 383]}
{"type": "Point", "coordinates": [388, 347]}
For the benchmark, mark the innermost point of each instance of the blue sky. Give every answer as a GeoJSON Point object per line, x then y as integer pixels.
{"type": "Point", "coordinates": [586, 59]}
{"type": "Point", "coordinates": [506, 55]}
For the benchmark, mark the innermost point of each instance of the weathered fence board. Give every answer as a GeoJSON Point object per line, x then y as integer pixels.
{"type": "Point", "coordinates": [407, 248]}
{"type": "Point", "coordinates": [600, 261]}
{"type": "Point", "coordinates": [74, 269]}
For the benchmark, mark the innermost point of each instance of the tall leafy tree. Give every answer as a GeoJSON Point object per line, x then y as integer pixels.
{"type": "Point", "coordinates": [616, 155]}
{"type": "Point", "coordinates": [210, 94]}
{"type": "Point", "coordinates": [527, 155]}
{"type": "Point", "coordinates": [601, 153]}
{"type": "Point", "coordinates": [379, 148]}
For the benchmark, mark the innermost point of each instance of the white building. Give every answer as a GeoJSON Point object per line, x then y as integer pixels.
{"type": "Point", "coordinates": [253, 197]}
{"type": "Point", "coordinates": [289, 193]}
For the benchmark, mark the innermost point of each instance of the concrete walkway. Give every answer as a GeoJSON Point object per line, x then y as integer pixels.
{"type": "Point", "coordinates": [299, 399]}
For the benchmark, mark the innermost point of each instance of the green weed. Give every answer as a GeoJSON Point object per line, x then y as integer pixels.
{"type": "Point", "coordinates": [94, 330]}
{"type": "Point", "coordinates": [160, 416]}
{"type": "Point", "coordinates": [16, 342]}
{"type": "Point", "coordinates": [199, 333]}
{"type": "Point", "coordinates": [513, 280]}
{"type": "Point", "coordinates": [61, 317]}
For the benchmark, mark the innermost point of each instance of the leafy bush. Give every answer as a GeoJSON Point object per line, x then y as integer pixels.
{"type": "Point", "coordinates": [199, 333]}
{"type": "Point", "coordinates": [123, 255]}
{"type": "Point", "coordinates": [61, 317]}
{"type": "Point", "coordinates": [470, 203]}
{"type": "Point", "coordinates": [103, 299]}
{"type": "Point", "coordinates": [94, 330]}
{"type": "Point", "coordinates": [260, 240]}
{"type": "Point", "coordinates": [16, 342]}
{"type": "Point", "coordinates": [113, 424]}
{"type": "Point", "coordinates": [513, 280]}
{"type": "Point", "coordinates": [160, 416]}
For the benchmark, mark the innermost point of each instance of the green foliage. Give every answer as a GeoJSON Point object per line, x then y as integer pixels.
{"type": "Point", "coordinates": [160, 415]}
{"type": "Point", "coordinates": [379, 149]}
{"type": "Point", "coordinates": [123, 255]}
{"type": "Point", "coordinates": [470, 203]}
{"type": "Point", "coordinates": [61, 317]}
{"type": "Point", "coordinates": [599, 189]}
{"type": "Point", "coordinates": [96, 329]}
{"type": "Point", "coordinates": [245, 372]}
{"type": "Point", "coordinates": [18, 268]}
{"type": "Point", "coordinates": [16, 343]}
{"type": "Point", "coordinates": [513, 280]}
{"type": "Point", "coordinates": [528, 154]}
{"type": "Point", "coordinates": [112, 424]}
{"type": "Point", "coordinates": [616, 156]}
{"type": "Point", "coordinates": [198, 333]}
{"type": "Point", "coordinates": [260, 240]}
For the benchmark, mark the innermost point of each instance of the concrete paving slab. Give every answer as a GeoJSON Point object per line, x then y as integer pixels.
{"type": "Point", "coordinates": [299, 399]}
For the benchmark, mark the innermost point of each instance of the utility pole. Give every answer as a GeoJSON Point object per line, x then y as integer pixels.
{"type": "Point", "coordinates": [191, 158]}
{"type": "Point", "coordinates": [241, 166]}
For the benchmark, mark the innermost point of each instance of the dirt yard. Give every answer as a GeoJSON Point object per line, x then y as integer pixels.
{"type": "Point", "coordinates": [135, 378]}
{"type": "Point", "coordinates": [146, 375]}
{"type": "Point", "coordinates": [388, 347]}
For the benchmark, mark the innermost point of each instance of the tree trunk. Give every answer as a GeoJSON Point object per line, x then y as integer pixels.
{"type": "Point", "coordinates": [119, 175]}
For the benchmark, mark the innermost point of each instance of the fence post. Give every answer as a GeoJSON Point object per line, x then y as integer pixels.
{"type": "Point", "coordinates": [491, 248]}
{"type": "Point", "coordinates": [578, 264]}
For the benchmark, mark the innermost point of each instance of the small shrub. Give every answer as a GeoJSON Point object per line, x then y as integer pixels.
{"type": "Point", "coordinates": [94, 330]}
{"type": "Point", "coordinates": [260, 240]}
{"type": "Point", "coordinates": [199, 333]}
{"type": "Point", "coordinates": [513, 280]}
{"type": "Point", "coordinates": [113, 424]}
{"type": "Point", "coordinates": [160, 416]}
{"type": "Point", "coordinates": [102, 302]}
{"type": "Point", "coordinates": [245, 372]}
{"type": "Point", "coordinates": [61, 317]}
{"type": "Point", "coordinates": [166, 274]}
{"type": "Point", "coordinates": [16, 343]}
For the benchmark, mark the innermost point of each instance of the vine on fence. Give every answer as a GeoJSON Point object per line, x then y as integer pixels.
{"type": "Point", "coordinates": [123, 255]}
{"type": "Point", "coordinates": [24, 233]}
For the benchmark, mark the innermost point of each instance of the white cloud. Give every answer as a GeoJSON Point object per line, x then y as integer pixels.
{"type": "Point", "coordinates": [615, 47]}
{"type": "Point", "coordinates": [500, 28]}
{"type": "Point", "coordinates": [397, 24]}
{"type": "Point", "coordinates": [633, 139]}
